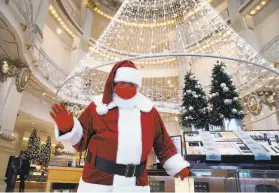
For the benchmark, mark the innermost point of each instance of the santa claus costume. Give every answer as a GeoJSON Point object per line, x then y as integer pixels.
{"type": "Point", "coordinates": [118, 135]}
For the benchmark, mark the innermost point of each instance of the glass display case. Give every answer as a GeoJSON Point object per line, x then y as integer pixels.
{"type": "Point", "coordinates": [248, 146]}
{"type": "Point", "coordinates": [217, 180]}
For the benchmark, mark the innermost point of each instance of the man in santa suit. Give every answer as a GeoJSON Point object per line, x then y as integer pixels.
{"type": "Point", "coordinates": [118, 134]}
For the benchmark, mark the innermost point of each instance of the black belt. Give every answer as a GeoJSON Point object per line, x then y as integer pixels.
{"type": "Point", "coordinates": [111, 167]}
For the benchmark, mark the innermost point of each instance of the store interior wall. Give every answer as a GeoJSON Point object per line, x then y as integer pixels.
{"type": "Point", "coordinates": [56, 49]}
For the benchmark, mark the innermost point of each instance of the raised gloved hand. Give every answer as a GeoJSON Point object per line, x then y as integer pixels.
{"type": "Point", "coordinates": [183, 173]}
{"type": "Point", "coordinates": [62, 117]}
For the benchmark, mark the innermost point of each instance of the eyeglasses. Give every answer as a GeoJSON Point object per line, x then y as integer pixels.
{"type": "Point", "coordinates": [126, 84]}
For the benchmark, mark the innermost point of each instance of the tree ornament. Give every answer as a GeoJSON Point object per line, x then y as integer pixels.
{"type": "Point", "coordinates": [193, 93]}
{"type": "Point", "coordinates": [188, 91]}
{"type": "Point", "coordinates": [235, 99]}
{"type": "Point", "coordinates": [225, 89]}
{"type": "Point", "coordinates": [186, 118]}
{"type": "Point", "coordinates": [239, 113]}
{"type": "Point", "coordinates": [226, 102]}
{"type": "Point", "coordinates": [191, 108]}
{"type": "Point", "coordinates": [192, 77]}
{"type": "Point", "coordinates": [234, 111]}
{"type": "Point", "coordinates": [223, 85]}
{"type": "Point", "coordinates": [196, 96]}
{"type": "Point", "coordinates": [221, 116]}
{"type": "Point", "coordinates": [223, 68]}
{"type": "Point", "coordinates": [217, 94]}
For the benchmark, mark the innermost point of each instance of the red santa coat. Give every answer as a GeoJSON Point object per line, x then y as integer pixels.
{"type": "Point", "coordinates": [125, 134]}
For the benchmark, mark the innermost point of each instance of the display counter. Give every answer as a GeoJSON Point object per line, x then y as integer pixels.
{"type": "Point", "coordinates": [65, 178]}
{"type": "Point", "coordinates": [220, 162]}
{"type": "Point", "coordinates": [32, 186]}
{"type": "Point", "coordinates": [237, 146]}
{"type": "Point", "coordinates": [230, 178]}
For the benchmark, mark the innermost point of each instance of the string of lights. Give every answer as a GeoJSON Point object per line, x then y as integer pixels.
{"type": "Point", "coordinates": [137, 29]}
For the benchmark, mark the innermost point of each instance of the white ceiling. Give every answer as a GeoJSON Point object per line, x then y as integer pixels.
{"type": "Point", "coordinates": [26, 122]}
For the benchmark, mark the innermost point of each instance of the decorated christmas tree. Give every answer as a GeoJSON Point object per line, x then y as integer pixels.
{"type": "Point", "coordinates": [194, 104]}
{"type": "Point", "coordinates": [224, 98]}
{"type": "Point", "coordinates": [33, 145]}
{"type": "Point", "coordinates": [45, 153]}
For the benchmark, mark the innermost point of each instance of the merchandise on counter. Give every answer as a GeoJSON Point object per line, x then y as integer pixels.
{"type": "Point", "coordinates": [194, 148]}
{"type": "Point", "coordinates": [276, 138]}
{"type": "Point", "coordinates": [192, 136]}
{"type": "Point", "coordinates": [227, 148]}
{"type": "Point", "coordinates": [157, 186]}
{"type": "Point", "coordinates": [201, 186]}
{"type": "Point", "coordinates": [244, 150]}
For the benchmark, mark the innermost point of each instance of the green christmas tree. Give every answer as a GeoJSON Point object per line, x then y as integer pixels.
{"type": "Point", "coordinates": [224, 98]}
{"type": "Point", "coordinates": [194, 104]}
{"type": "Point", "coordinates": [33, 145]}
{"type": "Point", "coordinates": [45, 153]}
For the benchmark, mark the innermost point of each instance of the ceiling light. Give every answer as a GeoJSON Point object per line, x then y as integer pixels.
{"type": "Point", "coordinates": [169, 81]}
{"type": "Point", "coordinates": [258, 7]}
{"type": "Point", "coordinates": [263, 2]}
{"type": "Point", "coordinates": [43, 93]}
{"type": "Point", "coordinates": [59, 31]}
{"type": "Point", "coordinates": [253, 12]}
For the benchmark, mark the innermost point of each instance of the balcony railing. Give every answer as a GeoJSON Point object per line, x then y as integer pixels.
{"type": "Point", "coordinates": [25, 9]}
{"type": "Point", "coordinates": [71, 11]}
{"type": "Point", "coordinates": [51, 70]}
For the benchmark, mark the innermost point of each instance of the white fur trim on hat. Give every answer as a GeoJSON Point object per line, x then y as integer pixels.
{"type": "Point", "coordinates": [72, 137]}
{"type": "Point", "coordinates": [127, 74]}
{"type": "Point", "coordinates": [102, 109]}
{"type": "Point", "coordinates": [175, 164]}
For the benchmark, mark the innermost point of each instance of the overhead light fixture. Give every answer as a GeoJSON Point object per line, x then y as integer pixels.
{"type": "Point", "coordinates": [253, 12]}
{"type": "Point", "coordinates": [62, 23]}
{"type": "Point", "coordinates": [59, 31]}
{"type": "Point", "coordinates": [259, 7]}
{"type": "Point", "coordinates": [43, 93]}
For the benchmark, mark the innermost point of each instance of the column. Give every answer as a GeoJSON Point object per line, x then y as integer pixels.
{"type": "Point", "coordinates": [182, 61]}
{"type": "Point", "coordinates": [9, 105]}
{"type": "Point", "coordinates": [18, 143]}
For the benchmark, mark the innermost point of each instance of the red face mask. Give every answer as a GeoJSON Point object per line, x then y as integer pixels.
{"type": "Point", "coordinates": [125, 90]}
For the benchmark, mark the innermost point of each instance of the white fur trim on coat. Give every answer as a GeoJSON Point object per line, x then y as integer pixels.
{"type": "Point", "coordinates": [129, 147]}
{"type": "Point", "coordinates": [72, 137]}
{"type": "Point", "coordinates": [175, 164]}
{"type": "Point", "coordinates": [89, 187]}
{"type": "Point", "coordinates": [127, 74]}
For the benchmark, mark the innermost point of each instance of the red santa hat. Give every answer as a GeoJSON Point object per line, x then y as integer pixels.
{"type": "Point", "coordinates": [124, 71]}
